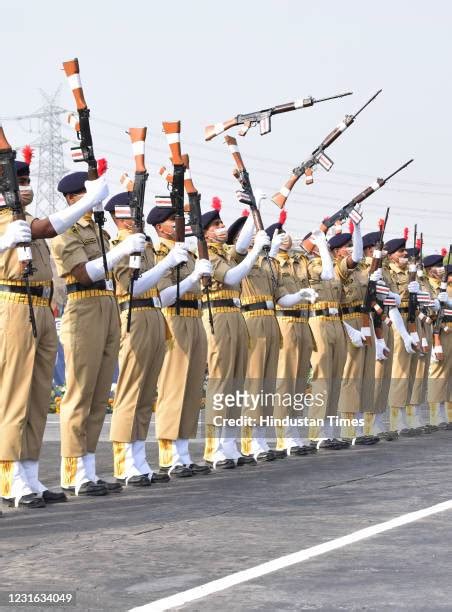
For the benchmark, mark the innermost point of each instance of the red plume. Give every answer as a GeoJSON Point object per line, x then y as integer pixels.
{"type": "Point", "coordinates": [216, 203]}
{"type": "Point", "coordinates": [245, 212]}
{"type": "Point", "coordinates": [443, 252]}
{"type": "Point", "coordinates": [418, 243]}
{"type": "Point", "coordinates": [282, 217]}
{"type": "Point", "coordinates": [405, 233]}
{"type": "Point", "coordinates": [27, 153]}
{"type": "Point", "coordinates": [381, 224]}
{"type": "Point", "coordinates": [102, 166]}
{"type": "Point", "coordinates": [351, 227]}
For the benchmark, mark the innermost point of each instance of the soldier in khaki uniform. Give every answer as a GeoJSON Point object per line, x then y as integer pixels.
{"type": "Point", "coordinates": [141, 352]}
{"type": "Point", "coordinates": [440, 376]}
{"type": "Point", "coordinates": [329, 352]}
{"type": "Point", "coordinates": [181, 379]}
{"type": "Point", "coordinates": [405, 357]}
{"type": "Point", "coordinates": [357, 389]}
{"type": "Point", "coordinates": [296, 347]}
{"type": "Point", "coordinates": [227, 353]}
{"type": "Point", "coordinates": [27, 362]}
{"type": "Point", "coordinates": [90, 338]}
{"type": "Point", "coordinates": [374, 423]}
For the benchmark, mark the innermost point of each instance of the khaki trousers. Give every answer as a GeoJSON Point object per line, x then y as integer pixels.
{"type": "Point", "coordinates": [328, 361]}
{"type": "Point", "coordinates": [440, 376]}
{"type": "Point", "coordinates": [262, 366]}
{"type": "Point", "coordinates": [141, 357]}
{"type": "Point", "coordinates": [90, 338]}
{"type": "Point", "coordinates": [180, 384]}
{"type": "Point", "coordinates": [419, 392]}
{"type": "Point", "coordinates": [403, 374]}
{"type": "Point", "coordinates": [358, 379]}
{"type": "Point", "coordinates": [383, 371]}
{"type": "Point", "coordinates": [26, 370]}
{"type": "Point", "coordinates": [293, 367]}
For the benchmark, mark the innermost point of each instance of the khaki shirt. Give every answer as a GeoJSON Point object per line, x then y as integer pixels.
{"type": "Point", "coordinates": [258, 284]}
{"type": "Point", "coordinates": [77, 245]}
{"type": "Point", "coordinates": [354, 281]}
{"type": "Point", "coordinates": [329, 291]}
{"type": "Point", "coordinates": [222, 259]}
{"type": "Point", "coordinates": [121, 271]}
{"type": "Point", "coordinates": [400, 278]}
{"type": "Point", "coordinates": [300, 268]}
{"type": "Point", "coordinates": [10, 267]}
{"type": "Point", "coordinates": [386, 276]}
{"type": "Point", "coordinates": [289, 269]}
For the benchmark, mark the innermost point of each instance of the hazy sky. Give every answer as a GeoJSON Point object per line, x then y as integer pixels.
{"type": "Point", "coordinates": [203, 62]}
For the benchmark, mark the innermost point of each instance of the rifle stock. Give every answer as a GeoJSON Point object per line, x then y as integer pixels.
{"type": "Point", "coordinates": [437, 328]}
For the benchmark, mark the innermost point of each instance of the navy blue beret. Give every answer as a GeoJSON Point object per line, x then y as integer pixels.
{"type": "Point", "coordinates": [208, 217]}
{"type": "Point", "coordinates": [73, 183]}
{"type": "Point", "coordinates": [338, 241]}
{"type": "Point", "coordinates": [120, 199]}
{"type": "Point", "coordinates": [22, 169]}
{"type": "Point", "coordinates": [271, 229]}
{"type": "Point", "coordinates": [432, 260]}
{"type": "Point", "coordinates": [394, 245]}
{"type": "Point", "coordinates": [370, 239]}
{"type": "Point", "coordinates": [235, 228]}
{"type": "Point", "coordinates": [159, 214]}
{"type": "Point", "coordinates": [413, 252]}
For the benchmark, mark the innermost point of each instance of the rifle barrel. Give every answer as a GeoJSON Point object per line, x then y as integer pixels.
{"type": "Point", "coordinates": [342, 95]}
{"type": "Point", "coordinates": [399, 170]}
{"type": "Point", "coordinates": [367, 103]}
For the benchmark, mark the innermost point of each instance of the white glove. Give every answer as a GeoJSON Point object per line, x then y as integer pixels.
{"type": "Point", "coordinates": [435, 305]}
{"type": "Point", "coordinates": [132, 244]}
{"type": "Point", "coordinates": [276, 243]}
{"type": "Point", "coordinates": [376, 276]}
{"type": "Point", "coordinates": [245, 236]}
{"type": "Point", "coordinates": [357, 250]}
{"type": "Point", "coordinates": [443, 296]}
{"type": "Point", "coordinates": [16, 232]}
{"type": "Point", "coordinates": [396, 297]}
{"type": "Point", "coordinates": [202, 267]}
{"type": "Point", "coordinates": [319, 238]}
{"type": "Point", "coordinates": [178, 255]}
{"type": "Point", "coordinates": [261, 240]}
{"type": "Point", "coordinates": [259, 196]}
{"type": "Point", "coordinates": [355, 335]}
{"type": "Point", "coordinates": [408, 342]}
{"type": "Point", "coordinates": [96, 191]}
{"type": "Point", "coordinates": [414, 287]}
{"type": "Point", "coordinates": [399, 324]}
{"type": "Point", "coordinates": [309, 295]}
{"type": "Point", "coordinates": [381, 349]}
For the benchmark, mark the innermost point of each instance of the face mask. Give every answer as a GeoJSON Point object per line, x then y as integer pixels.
{"type": "Point", "coordinates": [403, 261]}
{"type": "Point", "coordinates": [286, 243]}
{"type": "Point", "coordinates": [26, 195]}
{"type": "Point", "coordinates": [438, 271]}
{"type": "Point", "coordinates": [221, 233]}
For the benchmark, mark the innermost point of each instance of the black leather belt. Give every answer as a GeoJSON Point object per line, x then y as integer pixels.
{"type": "Point", "coordinates": [144, 303]}
{"type": "Point", "coordinates": [447, 319]}
{"type": "Point", "coordinates": [323, 312]}
{"type": "Point", "coordinates": [405, 309]}
{"type": "Point", "coordinates": [350, 309]}
{"type": "Point", "coordinates": [45, 292]}
{"type": "Point", "coordinates": [256, 306]}
{"type": "Point", "coordinates": [224, 303]}
{"type": "Point", "coordinates": [186, 304]}
{"type": "Point", "coordinates": [74, 287]}
{"type": "Point", "coordinates": [299, 314]}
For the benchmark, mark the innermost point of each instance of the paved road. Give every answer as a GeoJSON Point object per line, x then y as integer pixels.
{"type": "Point", "coordinates": [139, 546]}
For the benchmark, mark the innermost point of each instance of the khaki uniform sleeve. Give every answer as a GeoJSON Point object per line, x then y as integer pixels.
{"type": "Point", "coordinates": [280, 290]}
{"type": "Point", "coordinates": [122, 276]}
{"type": "Point", "coordinates": [67, 250]}
{"type": "Point", "coordinates": [342, 270]}
{"type": "Point", "coordinates": [219, 267]}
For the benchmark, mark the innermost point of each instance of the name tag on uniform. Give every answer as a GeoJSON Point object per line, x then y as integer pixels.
{"type": "Point", "coordinates": [109, 285]}
{"type": "Point", "coordinates": [270, 305]}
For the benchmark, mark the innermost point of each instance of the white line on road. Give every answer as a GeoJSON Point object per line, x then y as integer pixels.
{"type": "Point", "coordinates": [210, 588]}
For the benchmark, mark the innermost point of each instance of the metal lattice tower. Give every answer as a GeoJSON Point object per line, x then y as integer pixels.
{"type": "Point", "coordinates": [49, 149]}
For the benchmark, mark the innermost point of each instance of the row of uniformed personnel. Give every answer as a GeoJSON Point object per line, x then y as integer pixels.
{"type": "Point", "coordinates": [273, 318]}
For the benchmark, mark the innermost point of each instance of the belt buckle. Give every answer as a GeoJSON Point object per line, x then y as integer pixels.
{"type": "Point", "coordinates": [199, 304]}
{"type": "Point", "coordinates": [109, 285]}
{"type": "Point", "coordinates": [269, 304]}
{"type": "Point", "coordinates": [46, 292]}
{"type": "Point", "coordinates": [237, 302]}
{"type": "Point", "coordinates": [156, 301]}
{"type": "Point", "coordinates": [333, 311]}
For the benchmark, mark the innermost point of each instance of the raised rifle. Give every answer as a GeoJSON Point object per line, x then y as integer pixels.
{"type": "Point", "coordinates": [263, 117]}
{"type": "Point", "coordinates": [370, 300]}
{"type": "Point", "coordinates": [317, 157]}
{"type": "Point", "coordinates": [443, 310]}
{"type": "Point", "coordinates": [349, 209]}
{"type": "Point", "coordinates": [84, 152]}
{"type": "Point", "coordinates": [412, 298]}
{"type": "Point", "coordinates": [137, 138]}
{"type": "Point", "coordinates": [246, 196]}
{"type": "Point", "coordinates": [423, 297]}
{"type": "Point", "coordinates": [9, 189]}
{"type": "Point", "coordinates": [172, 131]}
{"type": "Point", "coordinates": [194, 199]}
